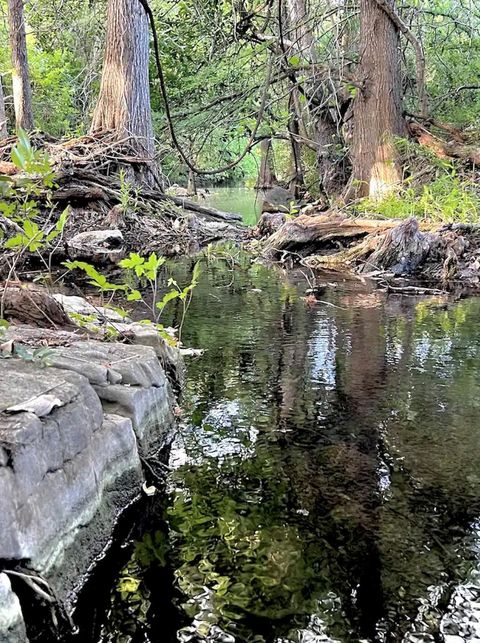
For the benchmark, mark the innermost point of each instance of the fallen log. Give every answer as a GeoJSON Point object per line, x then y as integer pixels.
{"type": "Point", "coordinates": [307, 234]}
{"type": "Point", "coordinates": [444, 149]}
{"type": "Point", "coordinates": [204, 210]}
{"type": "Point", "coordinates": [440, 254]}
{"type": "Point", "coordinates": [33, 307]}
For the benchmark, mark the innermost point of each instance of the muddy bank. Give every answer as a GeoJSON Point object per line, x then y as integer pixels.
{"type": "Point", "coordinates": [443, 256]}
{"type": "Point", "coordinates": [82, 429]}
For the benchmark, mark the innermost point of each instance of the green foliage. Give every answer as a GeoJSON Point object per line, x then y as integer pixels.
{"type": "Point", "coordinates": [19, 199]}
{"type": "Point", "coordinates": [446, 199]}
{"type": "Point", "coordinates": [128, 195]}
{"type": "Point", "coordinates": [141, 271]}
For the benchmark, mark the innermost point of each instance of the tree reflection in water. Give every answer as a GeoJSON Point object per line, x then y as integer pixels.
{"type": "Point", "coordinates": [326, 484]}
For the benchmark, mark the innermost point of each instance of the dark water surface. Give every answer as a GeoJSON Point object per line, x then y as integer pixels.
{"type": "Point", "coordinates": [326, 481]}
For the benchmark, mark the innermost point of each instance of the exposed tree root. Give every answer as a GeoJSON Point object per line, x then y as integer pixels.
{"type": "Point", "coordinates": [444, 254]}
{"type": "Point", "coordinates": [88, 180]}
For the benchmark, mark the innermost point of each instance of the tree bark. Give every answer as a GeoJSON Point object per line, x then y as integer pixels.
{"type": "Point", "coordinates": [191, 184]}
{"type": "Point", "coordinates": [124, 102]}
{"type": "Point", "coordinates": [3, 115]}
{"type": "Point", "coordinates": [22, 91]}
{"type": "Point", "coordinates": [266, 175]}
{"type": "Point", "coordinates": [316, 117]}
{"type": "Point", "coordinates": [377, 111]}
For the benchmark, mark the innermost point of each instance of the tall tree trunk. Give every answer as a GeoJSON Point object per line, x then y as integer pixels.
{"type": "Point", "coordinates": [22, 91]}
{"type": "Point", "coordinates": [191, 184]}
{"type": "Point", "coordinates": [296, 176]}
{"type": "Point", "coordinates": [124, 102]}
{"type": "Point", "coordinates": [377, 112]}
{"type": "Point", "coordinates": [3, 115]}
{"type": "Point", "coordinates": [316, 117]}
{"type": "Point", "coordinates": [266, 174]}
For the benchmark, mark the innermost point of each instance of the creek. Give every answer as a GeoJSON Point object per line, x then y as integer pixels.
{"type": "Point", "coordinates": [238, 199]}
{"type": "Point", "coordinates": [324, 485]}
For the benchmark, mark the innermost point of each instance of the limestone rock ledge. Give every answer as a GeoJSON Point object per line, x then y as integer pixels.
{"type": "Point", "coordinates": [12, 625]}
{"type": "Point", "coordinates": [72, 435]}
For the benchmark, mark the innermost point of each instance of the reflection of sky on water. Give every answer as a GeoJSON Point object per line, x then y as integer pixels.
{"type": "Point", "coordinates": [222, 434]}
{"type": "Point", "coordinates": [322, 351]}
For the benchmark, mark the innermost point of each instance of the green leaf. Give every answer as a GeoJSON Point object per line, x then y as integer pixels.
{"type": "Point", "coordinates": [169, 296]}
{"type": "Point", "coordinates": [197, 271]}
{"type": "Point", "coordinates": [133, 262]}
{"type": "Point", "coordinates": [15, 242]}
{"type": "Point", "coordinates": [17, 159]}
{"type": "Point", "coordinates": [134, 295]}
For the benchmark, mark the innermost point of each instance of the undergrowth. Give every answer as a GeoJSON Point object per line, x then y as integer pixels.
{"type": "Point", "coordinates": [434, 189]}
{"type": "Point", "coordinates": [446, 199]}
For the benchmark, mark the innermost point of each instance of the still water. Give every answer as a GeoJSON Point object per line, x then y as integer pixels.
{"type": "Point", "coordinates": [241, 200]}
{"type": "Point", "coordinates": [325, 484]}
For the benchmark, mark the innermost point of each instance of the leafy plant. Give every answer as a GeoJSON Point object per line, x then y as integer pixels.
{"type": "Point", "coordinates": [446, 199]}
{"type": "Point", "coordinates": [137, 272]}
{"type": "Point", "coordinates": [128, 195]}
{"type": "Point", "coordinates": [19, 200]}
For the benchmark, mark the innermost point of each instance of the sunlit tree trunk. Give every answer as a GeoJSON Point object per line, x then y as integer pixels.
{"type": "Point", "coordinates": [124, 102]}
{"type": "Point", "coordinates": [266, 174]}
{"type": "Point", "coordinates": [3, 116]}
{"type": "Point", "coordinates": [378, 105]}
{"type": "Point", "coordinates": [22, 91]}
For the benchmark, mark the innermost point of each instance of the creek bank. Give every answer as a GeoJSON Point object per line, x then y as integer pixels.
{"type": "Point", "coordinates": [441, 255]}
{"type": "Point", "coordinates": [111, 212]}
{"type": "Point", "coordinates": [78, 439]}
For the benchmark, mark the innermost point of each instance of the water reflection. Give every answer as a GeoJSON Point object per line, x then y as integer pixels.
{"type": "Point", "coordinates": [326, 483]}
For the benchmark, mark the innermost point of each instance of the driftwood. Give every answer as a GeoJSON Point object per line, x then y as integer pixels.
{"type": "Point", "coordinates": [442, 254]}
{"type": "Point", "coordinates": [87, 169]}
{"type": "Point", "coordinates": [305, 234]}
{"type": "Point", "coordinates": [33, 307]}
{"type": "Point", "coordinates": [87, 179]}
{"type": "Point", "coordinates": [213, 213]}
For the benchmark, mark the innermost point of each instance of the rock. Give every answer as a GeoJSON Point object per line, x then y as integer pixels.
{"type": "Point", "coordinates": [65, 477]}
{"type": "Point", "coordinates": [97, 246]}
{"type": "Point", "coordinates": [12, 626]}
{"type": "Point", "coordinates": [71, 436]}
{"type": "Point", "coordinates": [170, 357]}
{"type": "Point", "coordinates": [277, 199]}
{"type": "Point", "coordinates": [80, 306]}
{"type": "Point", "coordinates": [130, 381]}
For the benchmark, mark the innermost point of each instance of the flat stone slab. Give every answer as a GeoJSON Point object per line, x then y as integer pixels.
{"type": "Point", "coordinates": [54, 469]}
{"type": "Point", "coordinates": [12, 625]}
{"type": "Point", "coordinates": [111, 363]}
{"type": "Point", "coordinates": [72, 434]}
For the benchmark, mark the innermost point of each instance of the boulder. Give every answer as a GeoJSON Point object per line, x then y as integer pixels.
{"type": "Point", "coordinates": [97, 246]}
